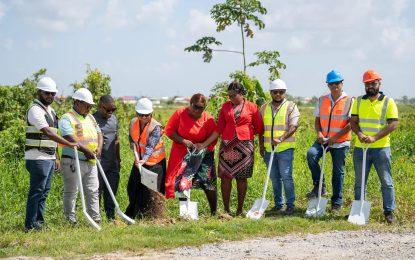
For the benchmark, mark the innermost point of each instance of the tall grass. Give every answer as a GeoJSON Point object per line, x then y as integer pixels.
{"type": "Point", "coordinates": [62, 239]}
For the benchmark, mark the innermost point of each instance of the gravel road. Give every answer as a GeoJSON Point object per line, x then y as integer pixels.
{"type": "Point", "coordinates": [329, 245]}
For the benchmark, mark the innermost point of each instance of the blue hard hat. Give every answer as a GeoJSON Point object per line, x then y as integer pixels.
{"type": "Point", "coordinates": [334, 76]}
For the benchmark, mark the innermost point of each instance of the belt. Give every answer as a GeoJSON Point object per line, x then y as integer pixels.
{"type": "Point", "coordinates": [70, 157]}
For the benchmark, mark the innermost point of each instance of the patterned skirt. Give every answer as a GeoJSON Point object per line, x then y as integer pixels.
{"type": "Point", "coordinates": [236, 159]}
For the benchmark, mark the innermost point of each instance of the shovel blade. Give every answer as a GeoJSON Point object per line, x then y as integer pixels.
{"type": "Point", "coordinates": [258, 209]}
{"type": "Point", "coordinates": [316, 209]}
{"type": "Point", "coordinates": [188, 209]}
{"type": "Point", "coordinates": [357, 217]}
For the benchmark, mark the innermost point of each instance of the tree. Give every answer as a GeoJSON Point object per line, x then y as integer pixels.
{"type": "Point", "coordinates": [97, 82]}
{"type": "Point", "coordinates": [244, 13]}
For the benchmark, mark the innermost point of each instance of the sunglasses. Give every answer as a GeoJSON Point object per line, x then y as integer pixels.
{"type": "Point", "coordinates": [335, 83]}
{"type": "Point", "coordinates": [143, 115]}
{"type": "Point", "coordinates": [281, 92]}
{"type": "Point", "coordinates": [110, 110]}
{"type": "Point", "coordinates": [88, 106]}
{"type": "Point", "coordinates": [196, 107]}
{"type": "Point", "coordinates": [47, 93]}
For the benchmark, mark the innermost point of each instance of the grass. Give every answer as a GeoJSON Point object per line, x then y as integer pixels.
{"type": "Point", "coordinates": [63, 240]}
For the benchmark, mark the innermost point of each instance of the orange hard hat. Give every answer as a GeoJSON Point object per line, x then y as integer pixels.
{"type": "Point", "coordinates": [371, 75]}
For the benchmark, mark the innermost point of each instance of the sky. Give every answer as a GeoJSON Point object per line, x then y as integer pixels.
{"type": "Point", "coordinates": [140, 44]}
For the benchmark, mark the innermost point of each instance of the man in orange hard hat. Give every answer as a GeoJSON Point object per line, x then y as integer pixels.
{"type": "Point", "coordinates": [374, 117]}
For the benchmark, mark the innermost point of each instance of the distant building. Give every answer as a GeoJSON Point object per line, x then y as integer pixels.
{"type": "Point", "coordinates": [128, 100]}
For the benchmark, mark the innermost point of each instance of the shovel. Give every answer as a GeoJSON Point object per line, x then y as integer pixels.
{"type": "Point", "coordinates": [359, 214]}
{"type": "Point", "coordinates": [81, 191]}
{"type": "Point", "coordinates": [261, 205]}
{"type": "Point", "coordinates": [117, 207]}
{"type": "Point", "coordinates": [317, 206]}
{"type": "Point", "coordinates": [148, 178]}
{"type": "Point", "coordinates": [188, 209]}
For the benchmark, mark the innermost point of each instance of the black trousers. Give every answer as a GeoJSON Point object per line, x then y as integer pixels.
{"type": "Point", "coordinates": [138, 194]}
{"type": "Point", "coordinates": [112, 172]}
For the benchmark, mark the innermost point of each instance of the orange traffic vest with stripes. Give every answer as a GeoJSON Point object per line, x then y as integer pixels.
{"type": "Point", "coordinates": [334, 117]}
{"type": "Point", "coordinates": [140, 140]}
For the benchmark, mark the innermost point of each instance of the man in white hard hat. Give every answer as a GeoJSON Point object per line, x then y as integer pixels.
{"type": "Point", "coordinates": [80, 126]}
{"type": "Point", "coordinates": [40, 151]}
{"type": "Point", "coordinates": [146, 136]}
{"type": "Point", "coordinates": [280, 118]}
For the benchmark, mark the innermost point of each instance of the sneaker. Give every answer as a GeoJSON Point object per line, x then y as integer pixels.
{"type": "Point", "coordinates": [276, 209]}
{"type": "Point", "coordinates": [289, 210]}
{"type": "Point", "coordinates": [336, 207]}
{"type": "Point", "coordinates": [389, 217]}
{"type": "Point", "coordinates": [314, 192]}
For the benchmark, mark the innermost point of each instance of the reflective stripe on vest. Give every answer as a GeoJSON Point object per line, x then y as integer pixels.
{"type": "Point", "coordinates": [36, 139]}
{"type": "Point", "coordinates": [140, 141]}
{"type": "Point", "coordinates": [371, 126]}
{"type": "Point", "coordinates": [84, 130]}
{"type": "Point", "coordinates": [275, 126]}
{"type": "Point", "coordinates": [335, 117]}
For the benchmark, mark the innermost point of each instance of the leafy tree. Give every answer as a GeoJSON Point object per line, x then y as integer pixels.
{"type": "Point", "coordinates": [245, 14]}
{"type": "Point", "coordinates": [97, 82]}
{"type": "Point", "coordinates": [15, 102]}
{"type": "Point", "coordinates": [219, 93]}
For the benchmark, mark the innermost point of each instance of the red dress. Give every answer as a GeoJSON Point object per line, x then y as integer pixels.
{"type": "Point", "coordinates": [196, 131]}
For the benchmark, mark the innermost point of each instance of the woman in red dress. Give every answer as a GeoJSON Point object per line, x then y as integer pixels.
{"type": "Point", "coordinates": [239, 121]}
{"type": "Point", "coordinates": [186, 127]}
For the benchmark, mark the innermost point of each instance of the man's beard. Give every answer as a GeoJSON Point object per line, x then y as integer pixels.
{"type": "Point", "coordinates": [371, 92]}
{"type": "Point", "coordinates": [45, 102]}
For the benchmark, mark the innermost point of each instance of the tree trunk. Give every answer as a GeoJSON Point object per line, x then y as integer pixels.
{"type": "Point", "coordinates": [243, 46]}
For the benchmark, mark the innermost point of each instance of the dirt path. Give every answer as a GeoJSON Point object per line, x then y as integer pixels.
{"type": "Point", "coordinates": [330, 245]}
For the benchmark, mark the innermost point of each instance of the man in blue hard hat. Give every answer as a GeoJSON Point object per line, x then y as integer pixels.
{"type": "Point", "coordinates": [332, 124]}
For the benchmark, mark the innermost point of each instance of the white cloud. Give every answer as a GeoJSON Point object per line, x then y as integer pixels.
{"type": "Point", "coordinates": [2, 10]}
{"type": "Point", "coordinates": [359, 55]}
{"type": "Point", "coordinates": [401, 40]}
{"type": "Point", "coordinates": [115, 15]}
{"type": "Point", "coordinates": [200, 22]}
{"type": "Point", "coordinates": [156, 10]}
{"type": "Point", "coordinates": [6, 44]}
{"type": "Point", "coordinates": [56, 15]}
{"type": "Point", "coordinates": [39, 44]}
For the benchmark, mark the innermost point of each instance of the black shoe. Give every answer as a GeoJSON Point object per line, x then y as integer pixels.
{"type": "Point", "coordinates": [336, 207]}
{"type": "Point", "coordinates": [314, 192]}
{"type": "Point", "coordinates": [389, 217]}
{"type": "Point", "coordinates": [289, 210]}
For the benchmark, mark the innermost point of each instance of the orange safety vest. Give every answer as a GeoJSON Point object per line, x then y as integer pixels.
{"type": "Point", "coordinates": [140, 140]}
{"type": "Point", "coordinates": [334, 117]}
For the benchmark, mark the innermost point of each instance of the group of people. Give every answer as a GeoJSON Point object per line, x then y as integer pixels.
{"type": "Point", "coordinates": [372, 117]}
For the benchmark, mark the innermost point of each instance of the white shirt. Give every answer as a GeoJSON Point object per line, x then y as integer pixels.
{"type": "Point", "coordinates": [36, 117]}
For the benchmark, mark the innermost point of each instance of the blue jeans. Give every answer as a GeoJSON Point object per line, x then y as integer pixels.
{"type": "Point", "coordinates": [40, 179]}
{"type": "Point", "coordinates": [282, 174]}
{"type": "Point", "coordinates": [338, 156]}
{"type": "Point", "coordinates": [381, 159]}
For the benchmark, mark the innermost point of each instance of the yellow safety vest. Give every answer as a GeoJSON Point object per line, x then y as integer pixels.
{"type": "Point", "coordinates": [275, 126]}
{"type": "Point", "coordinates": [85, 130]}
{"type": "Point", "coordinates": [372, 119]}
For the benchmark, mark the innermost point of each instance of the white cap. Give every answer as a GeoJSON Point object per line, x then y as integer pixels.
{"type": "Point", "coordinates": [277, 84]}
{"type": "Point", "coordinates": [83, 94]}
{"type": "Point", "coordinates": [47, 84]}
{"type": "Point", "coordinates": [144, 106]}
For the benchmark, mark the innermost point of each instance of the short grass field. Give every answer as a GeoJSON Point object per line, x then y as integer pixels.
{"type": "Point", "coordinates": [61, 240]}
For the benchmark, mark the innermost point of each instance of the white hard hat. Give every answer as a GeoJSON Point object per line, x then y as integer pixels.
{"type": "Point", "coordinates": [47, 84]}
{"type": "Point", "coordinates": [277, 84]}
{"type": "Point", "coordinates": [83, 94]}
{"type": "Point", "coordinates": [144, 106]}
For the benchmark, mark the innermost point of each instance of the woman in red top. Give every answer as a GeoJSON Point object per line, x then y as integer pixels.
{"type": "Point", "coordinates": [239, 121]}
{"type": "Point", "coordinates": [186, 127]}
